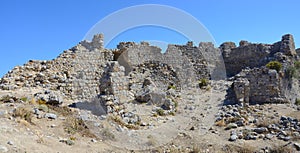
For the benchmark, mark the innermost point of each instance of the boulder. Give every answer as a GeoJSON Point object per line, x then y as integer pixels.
{"type": "Point", "coordinates": [49, 97]}
{"type": "Point", "coordinates": [50, 116]}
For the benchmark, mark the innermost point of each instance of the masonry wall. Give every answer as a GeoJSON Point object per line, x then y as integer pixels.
{"type": "Point", "coordinates": [259, 86]}
{"type": "Point", "coordinates": [75, 72]}
{"type": "Point", "coordinates": [187, 60]}
{"type": "Point", "coordinates": [255, 55]}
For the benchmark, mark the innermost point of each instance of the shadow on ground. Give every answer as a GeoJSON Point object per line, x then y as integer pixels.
{"type": "Point", "coordinates": [94, 106]}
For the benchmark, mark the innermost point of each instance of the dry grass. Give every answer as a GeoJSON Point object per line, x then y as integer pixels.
{"type": "Point", "coordinates": [196, 149]}
{"type": "Point", "coordinates": [151, 140]}
{"type": "Point", "coordinates": [281, 149]}
{"type": "Point", "coordinates": [40, 137]}
{"type": "Point", "coordinates": [220, 123]}
{"type": "Point", "coordinates": [294, 114]}
{"type": "Point", "coordinates": [203, 148]}
{"type": "Point", "coordinates": [228, 149]}
{"type": "Point", "coordinates": [62, 110]}
{"type": "Point", "coordinates": [119, 121]}
{"type": "Point", "coordinates": [245, 148]}
{"type": "Point", "coordinates": [72, 124]}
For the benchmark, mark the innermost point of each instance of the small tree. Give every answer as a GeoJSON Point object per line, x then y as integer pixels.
{"type": "Point", "coordinates": [274, 65]}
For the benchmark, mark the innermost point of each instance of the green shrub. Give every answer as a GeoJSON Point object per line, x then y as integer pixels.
{"type": "Point", "coordinates": [160, 112]}
{"type": "Point", "coordinates": [203, 83]}
{"type": "Point", "coordinates": [24, 99]}
{"type": "Point", "coordinates": [171, 87]}
{"type": "Point", "coordinates": [291, 72]}
{"type": "Point", "coordinates": [297, 65]}
{"type": "Point", "coordinates": [175, 103]}
{"type": "Point", "coordinates": [297, 101]}
{"type": "Point", "coordinates": [275, 65]}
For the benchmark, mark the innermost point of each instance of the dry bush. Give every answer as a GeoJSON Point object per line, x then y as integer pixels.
{"type": "Point", "coordinates": [73, 125]}
{"type": "Point", "coordinates": [265, 122]}
{"type": "Point", "coordinates": [119, 121]}
{"type": "Point", "coordinates": [107, 134]}
{"type": "Point", "coordinates": [23, 113]}
{"type": "Point", "coordinates": [220, 123]}
{"type": "Point", "coordinates": [232, 120]}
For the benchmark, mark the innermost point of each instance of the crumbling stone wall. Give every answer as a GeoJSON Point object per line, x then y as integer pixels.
{"type": "Point", "coordinates": [75, 72]}
{"type": "Point", "coordinates": [259, 86]}
{"type": "Point", "coordinates": [298, 52]}
{"type": "Point", "coordinates": [187, 60]}
{"type": "Point", "coordinates": [88, 70]}
{"type": "Point", "coordinates": [255, 55]}
{"type": "Point", "coordinates": [114, 86]}
{"type": "Point", "coordinates": [254, 83]}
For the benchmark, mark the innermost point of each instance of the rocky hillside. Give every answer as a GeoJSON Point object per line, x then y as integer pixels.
{"type": "Point", "coordinates": [135, 99]}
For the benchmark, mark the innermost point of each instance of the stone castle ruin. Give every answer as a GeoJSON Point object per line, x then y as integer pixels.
{"type": "Point", "coordinates": [254, 83]}
{"type": "Point", "coordinates": [77, 72]}
{"type": "Point", "coordinates": [140, 72]}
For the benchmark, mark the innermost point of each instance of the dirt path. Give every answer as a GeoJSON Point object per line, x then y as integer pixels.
{"type": "Point", "coordinates": [196, 110]}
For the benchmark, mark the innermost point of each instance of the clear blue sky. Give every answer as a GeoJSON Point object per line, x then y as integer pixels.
{"type": "Point", "coordinates": [36, 29]}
